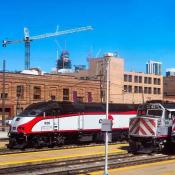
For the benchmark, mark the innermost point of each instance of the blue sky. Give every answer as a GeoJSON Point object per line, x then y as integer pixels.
{"type": "Point", "coordinates": [139, 30]}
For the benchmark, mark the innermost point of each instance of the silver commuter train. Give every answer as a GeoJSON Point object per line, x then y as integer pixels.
{"type": "Point", "coordinates": [151, 130]}
{"type": "Point", "coordinates": [55, 123]}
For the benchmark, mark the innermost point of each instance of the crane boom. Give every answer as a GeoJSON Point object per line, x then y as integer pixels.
{"type": "Point", "coordinates": [27, 39]}
{"type": "Point", "coordinates": [5, 42]}
{"type": "Point", "coordinates": [64, 32]}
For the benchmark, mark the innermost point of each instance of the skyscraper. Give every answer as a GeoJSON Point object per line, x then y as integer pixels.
{"type": "Point", "coordinates": [154, 67]}
{"type": "Point", "coordinates": [170, 72]}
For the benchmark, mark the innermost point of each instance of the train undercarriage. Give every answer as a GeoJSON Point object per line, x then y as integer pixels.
{"type": "Point", "coordinates": [149, 145]}
{"type": "Point", "coordinates": [22, 141]}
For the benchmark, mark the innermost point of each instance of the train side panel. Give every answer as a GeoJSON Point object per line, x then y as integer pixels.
{"type": "Point", "coordinates": [121, 121]}
{"type": "Point", "coordinates": [43, 126]}
{"type": "Point", "coordinates": [81, 122]}
{"type": "Point", "coordinates": [70, 123]}
{"type": "Point", "coordinates": [92, 121]}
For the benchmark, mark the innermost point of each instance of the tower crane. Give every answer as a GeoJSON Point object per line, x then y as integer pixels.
{"type": "Point", "coordinates": [27, 39]}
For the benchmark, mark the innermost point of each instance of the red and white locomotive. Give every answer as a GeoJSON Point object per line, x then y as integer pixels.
{"type": "Point", "coordinates": [55, 123]}
{"type": "Point", "coordinates": [151, 130]}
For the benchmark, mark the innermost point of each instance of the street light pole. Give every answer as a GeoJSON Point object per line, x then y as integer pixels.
{"type": "Point", "coordinates": [3, 98]}
{"type": "Point", "coordinates": [107, 59]}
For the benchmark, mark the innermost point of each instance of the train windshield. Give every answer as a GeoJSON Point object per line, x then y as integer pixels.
{"type": "Point", "coordinates": [155, 113]}
{"type": "Point", "coordinates": [31, 112]}
{"type": "Point", "coordinates": [150, 110]}
{"type": "Point", "coordinates": [38, 109]}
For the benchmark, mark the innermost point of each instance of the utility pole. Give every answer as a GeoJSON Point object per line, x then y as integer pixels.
{"type": "Point", "coordinates": [3, 98]}
{"type": "Point", "coordinates": [107, 59]}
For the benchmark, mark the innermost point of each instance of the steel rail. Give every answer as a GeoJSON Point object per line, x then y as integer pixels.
{"type": "Point", "coordinates": [85, 165]}
{"type": "Point", "coordinates": [61, 165]}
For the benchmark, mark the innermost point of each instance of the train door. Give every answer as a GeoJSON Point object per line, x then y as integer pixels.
{"type": "Point", "coordinates": [55, 123]}
{"type": "Point", "coordinates": [81, 121]}
{"type": "Point", "coordinates": [55, 113]}
{"type": "Point", "coordinates": [56, 119]}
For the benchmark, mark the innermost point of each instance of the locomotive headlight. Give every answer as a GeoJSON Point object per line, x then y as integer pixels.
{"type": "Point", "coordinates": [14, 128]}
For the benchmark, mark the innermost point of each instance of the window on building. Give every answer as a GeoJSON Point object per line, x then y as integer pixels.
{"type": "Point", "coordinates": [140, 89]}
{"type": "Point", "coordinates": [36, 92]}
{"type": "Point", "coordinates": [149, 90]}
{"type": "Point", "coordinates": [140, 79]}
{"type": "Point", "coordinates": [145, 80]}
{"type": "Point", "coordinates": [145, 90]}
{"type": "Point", "coordinates": [53, 97]}
{"type": "Point", "coordinates": [65, 94]}
{"type": "Point", "coordinates": [158, 90]}
{"type": "Point", "coordinates": [74, 96]}
{"type": "Point", "coordinates": [125, 88]}
{"type": "Point", "coordinates": [80, 99]}
{"type": "Point", "coordinates": [130, 78]}
{"type": "Point", "coordinates": [125, 77]}
{"type": "Point", "coordinates": [20, 91]}
{"type": "Point", "coordinates": [53, 93]}
{"type": "Point", "coordinates": [149, 80]}
{"type": "Point", "coordinates": [158, 81]}
{"type": "Point", "coordinates": [136, 79]}
{"type": "Point", "coordinates": [155, 80]}
{"type": "Point", "coordinates": [89, 97]}
{"type": "Point", "coordinates": [5, 95]}
{"type": "Point", "coordinates": [136, 89]}
{"type": "Point", "coordinates": [102, 94]}
{"type": "Point", "coordinates": [155, 90]}
{"type": "Point", "coordinates": [130, 89]}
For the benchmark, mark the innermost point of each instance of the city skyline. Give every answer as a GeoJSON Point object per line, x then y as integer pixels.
{"type": "Point", "coordinates": [137, 30]}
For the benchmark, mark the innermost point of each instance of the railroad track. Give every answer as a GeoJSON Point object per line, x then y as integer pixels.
{"type": "Point", "coordinates": [84, 165]}
{"type": "Point", "coordinates": [6, 151]}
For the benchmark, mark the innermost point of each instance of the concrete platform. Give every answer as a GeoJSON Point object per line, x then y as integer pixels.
{"type": "Point", "coordinates": [159, 168]}
{"type": "Point", "coordinates": [3, 134]}
{"type": "Point", "coordinates": [3, 144]}
{"type": "Point", "coordinates": [40, 156]}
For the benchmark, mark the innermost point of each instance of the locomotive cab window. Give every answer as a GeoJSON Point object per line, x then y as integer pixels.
{"type": "Point", "coordinates": [52, 112]}
{"type": "Point", "coordinates": [173, 115]}
{"type": "Point", "coordinates": [155, 112]}
{"type": "Point", "coordinates": [141, 112]}
{"type": "Point", "coordinates": [169, 114]}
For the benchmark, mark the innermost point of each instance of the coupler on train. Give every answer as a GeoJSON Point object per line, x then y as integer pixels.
{"type": "Point", "coordinates": [148, 145]}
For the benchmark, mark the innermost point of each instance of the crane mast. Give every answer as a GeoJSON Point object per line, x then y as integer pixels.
{"type": "Point", "coordinates": [27, 39]}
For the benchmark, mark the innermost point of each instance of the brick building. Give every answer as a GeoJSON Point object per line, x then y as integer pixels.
{"type": "Point", "coordinates": [140, 87]}
{"type": "Point", "coordinates": [126, 87]}
{"type": "Point", "coordinates": [169, 88]}
{"type": "Point", "coordinates": [23, 89]}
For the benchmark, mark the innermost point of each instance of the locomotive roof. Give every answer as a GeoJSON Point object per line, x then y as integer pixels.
{"type": "Point", "coordinates": [85, 107]}
{"type": "Point", "coordinates": [166, 105]}
{"type": "Point", "coordinates": [169, 105]}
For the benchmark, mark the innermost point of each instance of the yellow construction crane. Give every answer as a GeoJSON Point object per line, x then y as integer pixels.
{"type": "Point", "coordinates": [27, 39]}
